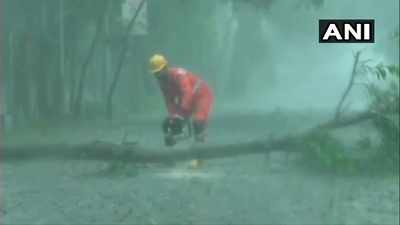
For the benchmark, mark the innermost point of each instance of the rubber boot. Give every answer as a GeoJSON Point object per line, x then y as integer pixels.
{"type": "Point", "coordinates": [200, 137]}
{"type": "Point", "coordinates": [199, 131]}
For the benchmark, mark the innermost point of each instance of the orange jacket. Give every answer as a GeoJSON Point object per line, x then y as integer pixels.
{"type": "Point", "coordinates": [180, 91]}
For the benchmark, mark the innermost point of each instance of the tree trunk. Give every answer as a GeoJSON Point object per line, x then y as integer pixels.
{"type": "Point", "coordinates": [21, 89]}
{"type": "Point", "coordinates": [8, 79]}
{"type": "Point", "coordinates": [107, 57]}
{"type": "Point", "coordinates": [59, 97]}
{"type": "Point", "coordinates": [42, 64]}
{"type": "Point", "coordinates": [42, 80]}
{"type": "Point", "coordinates": [2, 86]}
{"type": "Point", "coordinates": [134, 153]}
{"type": "Point", "coordinates": [249, 48]}
{"type": "Point", "coordinates": [125, 47]}
{"type": "Point", "coordinates": [353, 75]}
{"type": "Point", "coordinates": [81, 83]}
{"type": "Point", "coordinates": [72, 72]}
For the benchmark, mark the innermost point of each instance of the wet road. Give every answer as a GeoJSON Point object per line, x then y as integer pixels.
{"type": "Point", "coordinates": [246, 190]}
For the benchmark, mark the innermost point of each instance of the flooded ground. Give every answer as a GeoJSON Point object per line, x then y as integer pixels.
{"type": "Point", "coordinates": [245, 190]}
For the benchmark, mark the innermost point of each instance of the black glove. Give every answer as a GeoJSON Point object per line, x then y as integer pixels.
{"type": "Point", "coordinates": [173, 126]}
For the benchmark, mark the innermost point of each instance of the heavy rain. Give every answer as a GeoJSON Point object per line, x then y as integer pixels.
{"type": "Point", "coordinates": [197, 112]}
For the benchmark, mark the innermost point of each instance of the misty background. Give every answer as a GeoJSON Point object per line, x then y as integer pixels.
{"type": "Point", "coordinates": [256, 55]}
{"type": "Point", "coordinates": [80, 114]}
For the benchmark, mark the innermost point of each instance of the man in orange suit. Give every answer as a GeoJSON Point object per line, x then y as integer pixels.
{"type": "Point", "coordinates": [186, 95]}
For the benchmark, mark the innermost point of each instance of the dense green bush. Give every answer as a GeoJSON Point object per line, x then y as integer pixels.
{"type": "Point", "coordinates": [327, 153]}
{"type": "Point", "coordinates": [385, 104]}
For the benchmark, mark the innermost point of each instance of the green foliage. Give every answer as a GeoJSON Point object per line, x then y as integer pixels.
{"type": "Point", "coordinates": [382, 71]}
{"type": "Point", "coordinates": [385, 103]}
{"type": "Point", "coordinates": [327, 153]}
{"type": "Point", "coordinates": [394, 70]}
{"type": "Point", "coordinates": [396, 37]}
{"type": "Point", "coordinates": [389, 150]}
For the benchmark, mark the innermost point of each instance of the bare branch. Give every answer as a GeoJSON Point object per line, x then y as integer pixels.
{"type": "Point", "coordinates": [349, 85]}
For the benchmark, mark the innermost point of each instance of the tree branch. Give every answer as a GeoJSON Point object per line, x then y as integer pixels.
{"type": "Point", "coordinates": [121, 61]}
{"type": "Point", "coordinates": [349, 85]}
{"type": "Point", "coordinates": [96, 39]}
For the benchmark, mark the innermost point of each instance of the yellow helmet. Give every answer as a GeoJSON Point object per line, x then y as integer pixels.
{"type": "Point", "coordinates": [157, 63]}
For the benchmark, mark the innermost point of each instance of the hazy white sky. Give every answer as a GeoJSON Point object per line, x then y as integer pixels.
{"type": "Point", "coordinates": [309, 74]}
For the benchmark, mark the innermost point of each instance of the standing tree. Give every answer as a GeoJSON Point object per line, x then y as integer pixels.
{"type": "Point", "coordinates": [81, 82]}
{"type": "Point", "coordinates": [125, 47]}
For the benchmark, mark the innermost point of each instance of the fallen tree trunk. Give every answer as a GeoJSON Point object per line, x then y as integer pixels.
{"type": "Point", "coordinates": [134, 153]}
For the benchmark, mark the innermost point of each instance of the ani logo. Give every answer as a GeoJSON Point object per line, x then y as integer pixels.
{"type": "Point", "coordinates": [347, 31]}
